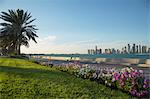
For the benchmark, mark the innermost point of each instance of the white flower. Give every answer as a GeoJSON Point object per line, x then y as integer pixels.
{"type": "Point", "coordinates": [113, 79]}
{"type": "Point", "coordinates": [141, 71]}
{"type": "Point", "coordinates": [109, 84]}
{"type": "Point", "coordinates": [94, 75]}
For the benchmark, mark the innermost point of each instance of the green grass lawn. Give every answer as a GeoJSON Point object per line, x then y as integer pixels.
{"type": "Point", "coordinates": [24, 79]}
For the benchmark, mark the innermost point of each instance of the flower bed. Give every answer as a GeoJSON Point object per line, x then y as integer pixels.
{"type": "Point", "coordinates": [127, 79]}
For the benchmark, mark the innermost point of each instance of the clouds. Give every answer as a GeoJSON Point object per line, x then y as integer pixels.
{"type": "Point", "coordinates": [49, 39]}
{"type": "Point", "coordinates": [42, 46]}
{"type": "Point", "coordinates": [48, 45]}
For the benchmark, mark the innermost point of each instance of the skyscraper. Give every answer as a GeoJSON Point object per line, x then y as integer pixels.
{"type": "Point", "coordinates": [137, 49]}
{"type": "Point", "coordinates": [148, 50]}
{"type": "Point", "coordinates": [140, 50]}
{"type": "Point", "coordinates": [133, 48]}
{"type": "Point", "coordinates": [128, 48]}
{"type": "Point", "coordinates": [144, 48]}
{"type": "Point", "coordinates": [96, 50]}
{"type": "Point", "coordinates": [100, 51]}
{"type": "Point", "coordinates": [125, 49]}
{"type": "Point", "coordinates": [89, 51]}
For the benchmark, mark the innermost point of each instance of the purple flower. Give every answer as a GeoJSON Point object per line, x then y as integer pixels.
{"type": "Point", "coordinates": [138, 94]}
{"type": "Point", "coordinates": [145, 92]}
{"type": "Point", "coordinates": [145, 81]}
{"type": "Point", "coordinates": [133, 93]}
{"type": "Point", "coordinates": [145, 86]}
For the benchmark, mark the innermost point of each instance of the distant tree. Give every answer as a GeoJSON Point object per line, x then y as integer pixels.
{"type": "Point", "coordinates": [16, 30]}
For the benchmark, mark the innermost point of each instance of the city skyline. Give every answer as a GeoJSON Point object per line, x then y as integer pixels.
{"type": "Point", "coordinates": [128, 49]}
{"type": "Point", "coordinates": [73, 26]}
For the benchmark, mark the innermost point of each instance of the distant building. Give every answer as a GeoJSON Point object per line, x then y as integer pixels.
{"type": "Point", "coordinates": [137, 49]}
{"type": "Point", "coordinates": [106, 51]}
{"type": "Point", "coordinates": [129, 49]}
{"type": "Point", "coordinates": [89, 51]}
{"type": "Point", "coordinates": [113, 51]}
{"type": "Point", "coordinates": [148, 50]}
{"type": "Point", "coordinates": [96, 50]}
{"type": "Point", "coordinates": [93, 52]}
{"type": "Point", "coordinates": [118, 51]}
{"type": "Point", "coordinates": [134, 49]}
{"type": "Point", "coordinates": [140, 49]}
{"type": "Point", "coordinates": [100, 50]}
{"type": "Point", "coordinates": [144, 49]}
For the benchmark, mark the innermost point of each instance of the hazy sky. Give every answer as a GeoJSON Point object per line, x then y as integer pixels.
{"type": "Point", "coordinates": [73, 26]}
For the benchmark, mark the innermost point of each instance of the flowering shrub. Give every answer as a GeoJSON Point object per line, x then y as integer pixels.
{"type": "Point", "coordinates": [127, 79]}
{"type": "Point", "coordinates": [69, 67]}
{"type": "Point", "coordinates": [85, 72]}
{"type": "Point", "coordinates": [133, 81]}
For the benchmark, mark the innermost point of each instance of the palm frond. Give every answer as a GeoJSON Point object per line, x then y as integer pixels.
{"type": "Point", "coordinates": [17, 29]}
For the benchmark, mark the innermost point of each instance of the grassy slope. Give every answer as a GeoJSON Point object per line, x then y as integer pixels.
{"type": "Point", "coordinates": [20, 78]}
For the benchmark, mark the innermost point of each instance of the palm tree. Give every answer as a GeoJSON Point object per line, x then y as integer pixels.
{"type": "Point", "coordinates": [16, 30]}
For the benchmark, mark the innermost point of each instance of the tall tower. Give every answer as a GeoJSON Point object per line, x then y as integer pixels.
{"type": "Point", "coordinates": [125, 49]}
{"type": "Point", "coordinates": [137, 49]}
{"type": "Point", "coordinates": [109, 51]}
{"type": "Point", "coordinates": [106, 51]}
{"type": "Point", "coordinates": [118, 51]}
{"type": "Point", "coordinates": [100, 51]}
{"type": "Point", "coordinates": [122, 52]}
{"type": "Point", "coordinates": [133, 48]}
{"type": "Point", "coordinates": [128, 48]}
{"type": "Point", "coordinates": [89, 51]}
{"type": "Point", "coordinates": [113, 51]}
{"type": "Point", "coordinates": [149, 50]}
{"type": "Point", "coordinates": [140, 50]}
{"type": "Point", "coordinates": [144, 48]}
{"type": "Point", "coordinates": [95, 49]}
{"type": "Point", "coordinates": [92, 51]}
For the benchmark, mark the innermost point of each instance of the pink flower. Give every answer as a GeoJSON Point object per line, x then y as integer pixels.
{"type": "Point", "coordinates": [116, 76]}
{"type": "Point", "coordinates": [130, 76]}
{"type": "Point", "coordinates": [122, 83]}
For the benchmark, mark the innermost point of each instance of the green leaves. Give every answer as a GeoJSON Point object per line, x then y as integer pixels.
{"type": "Point", "coordinates": [17, 26]}
{"type": "Point", "coordinates": [24, 79]}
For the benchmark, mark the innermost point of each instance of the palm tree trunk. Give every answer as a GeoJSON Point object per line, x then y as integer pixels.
{"type": "Point", "coordinates": [19, 50]}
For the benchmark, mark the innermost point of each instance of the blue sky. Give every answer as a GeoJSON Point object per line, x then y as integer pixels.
{"type": "Point", "coordinates": [73, 26]}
